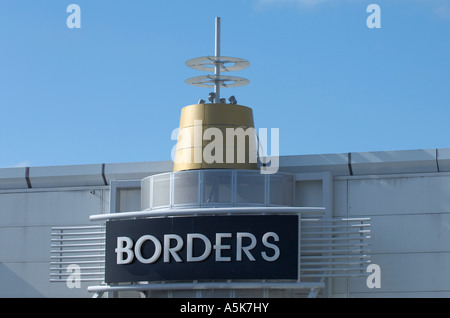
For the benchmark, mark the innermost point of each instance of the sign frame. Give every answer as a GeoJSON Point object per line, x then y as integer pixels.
{"type": "Point", "coordinates": [232, 239]}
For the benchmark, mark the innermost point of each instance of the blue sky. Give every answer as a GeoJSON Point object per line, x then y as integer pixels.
{"type": "Point", "coordinates": [112, 91]}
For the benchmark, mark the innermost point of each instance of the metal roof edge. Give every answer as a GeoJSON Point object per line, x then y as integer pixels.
{"type": "Point", "coordinates": [339, 164]}
{"type": "Point", "coordinates": [375, 162]}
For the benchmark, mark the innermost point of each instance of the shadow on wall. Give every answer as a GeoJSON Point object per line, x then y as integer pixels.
{"type": "Point", "coordinates": [13, 285]}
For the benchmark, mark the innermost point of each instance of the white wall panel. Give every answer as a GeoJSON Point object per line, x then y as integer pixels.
{"type": "Point", "coordinates": [404, 273]}
{"type": "Point", "coordinates": [409, 294]}
{"type": "Point", "coordinates": [340, 198]}
{"type": "Point", "coordinates": [18, 280]}
{"type": "Point", "coordinates": [31, 279]}
{"type": "Point", "coordinates": [411, 233]}
{"type": "Point", "coordinates": [51, 207]}
{"type": "Point", "coordinates": [26, 218]}
{"type": "Point", "coordinates": [403, 195]}
{"type": "Point", "coordinates": [25, 244]}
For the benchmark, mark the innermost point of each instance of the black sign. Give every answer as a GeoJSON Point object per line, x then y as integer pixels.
{"type": "Point", "coordinates": [202, 247]}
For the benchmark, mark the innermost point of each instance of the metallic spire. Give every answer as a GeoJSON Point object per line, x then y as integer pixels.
{"type": "Point", "coordinates": [217, 64]}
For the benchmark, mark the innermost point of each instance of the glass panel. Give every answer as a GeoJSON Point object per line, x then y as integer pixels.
{"type": "Point", "coordinates": [281, 189]}
{"type": "Point", "coordinates": [129, 199]}
{"type": "Point", "coordinates": [185, 190]}
{"type": "Point", "coordinates": [161, 190]}
{"type": "Point", "coordinates": [216, 186]}
{"type": "Point", "coordinates": [145, 193]}
{"type": "Point", "coordinates": [250, 187]}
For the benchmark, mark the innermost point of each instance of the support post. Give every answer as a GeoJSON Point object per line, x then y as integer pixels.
{"type": "Point", "coordinates": [217, 62]}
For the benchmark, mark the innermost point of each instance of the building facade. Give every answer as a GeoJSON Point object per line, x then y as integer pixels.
{"type": "Point", "coordinates": [405, 195]}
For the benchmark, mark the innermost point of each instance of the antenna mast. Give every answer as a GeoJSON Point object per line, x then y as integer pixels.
{"type": "Point", "coordinates": [217, 64]}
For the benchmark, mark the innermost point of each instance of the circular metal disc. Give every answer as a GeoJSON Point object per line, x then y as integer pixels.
{"type": "Point", "coordinates": [227, 64]}
{"type": "Point", "coordinates": [210, 80]}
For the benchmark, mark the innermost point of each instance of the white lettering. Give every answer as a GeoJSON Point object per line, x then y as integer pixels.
{"type": "Point", "coordinates": [374, 279]}
{"type": "Point", "coordinates": [246, 249]}
{"type": "Point", "coordinates": [215, 146]}
{"type": "Point", "coordinates": [74, 20]}
{"type": "Point", "coordinates": [172, 247]}
{"type": "Point", "coordinates": [190, 146]}
{"type": "Point", "coordinates": [176, 134]}
{"type": "Point", "coordinates": [274, 151]}
{"type": "Point", "coordinates": [172, 250]}
{"type": "Point", "coordinates": [275, 248]}
{"type": "Point", "coordinates": [121, 249]}
{"type": "Point", "coordinates": [197, 308]}
{"type": "Point", "coordinates": [190, 247]}
{"type": "Point", "coordinates": [219, 247]}
{"type": "Point", "coordinates": [138, 249]}
{"type": "Point", "coordinates": [245, 307]}
{"type": "Point", "coordinates": [374, 20]}
{"type": "Point", "coordinates": [73, 281]}
{"type": "Point", "coordinates": [240, 135]}
{"type": "Point", "coordinates": [198, 142]}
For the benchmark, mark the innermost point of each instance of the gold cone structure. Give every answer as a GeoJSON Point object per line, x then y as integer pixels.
{"type": "Point", "coordinates": [216, 136]}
